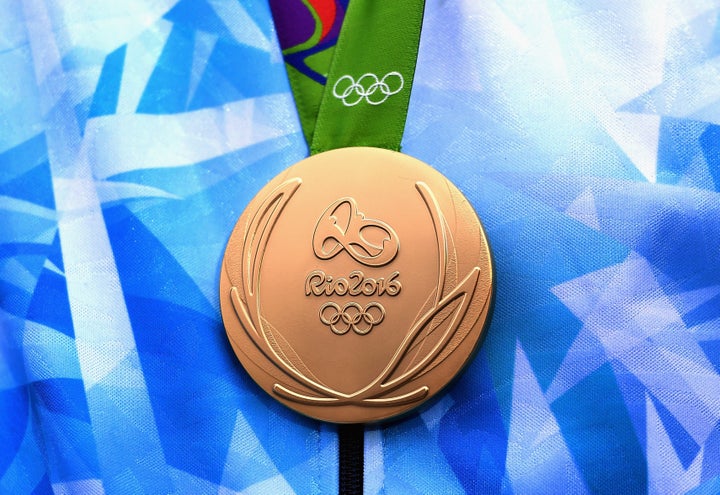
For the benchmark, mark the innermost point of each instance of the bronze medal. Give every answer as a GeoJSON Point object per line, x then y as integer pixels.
{"type": "Point", "coordinates": [356, 285]}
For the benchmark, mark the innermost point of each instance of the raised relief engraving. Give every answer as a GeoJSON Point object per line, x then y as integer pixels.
{"type": "Point", "coordinates": [319, 283]}
{"type": "Point", "coordinates": [343, 227]}
{"type": "Point", "coordinates": [430, 340]}
{"type": "Point", "coordinates": [371, 242]}
{"type": "Point", "coordinates": [352, 315]}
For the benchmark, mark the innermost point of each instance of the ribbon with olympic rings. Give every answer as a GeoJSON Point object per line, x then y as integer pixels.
{"type": "Point", "coordinates": [358, 89]}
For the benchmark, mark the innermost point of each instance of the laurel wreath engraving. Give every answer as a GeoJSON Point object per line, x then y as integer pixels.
{"type": "Point", "coordinates": [432, 337]}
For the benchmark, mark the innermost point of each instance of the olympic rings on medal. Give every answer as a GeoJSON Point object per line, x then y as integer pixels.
{"type": "Point", "coordinates": [346, 87]}
{"type": "Point", "coordinates": [351, 316]}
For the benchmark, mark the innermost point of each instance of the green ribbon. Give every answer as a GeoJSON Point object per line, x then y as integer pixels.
{"type": "Point", "coordinates": [366, 97]}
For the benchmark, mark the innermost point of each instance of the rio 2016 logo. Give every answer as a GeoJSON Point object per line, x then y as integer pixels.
{"type": "Point", "coordinates": [344, 228]}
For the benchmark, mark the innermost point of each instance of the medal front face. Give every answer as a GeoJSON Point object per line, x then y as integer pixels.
{"type": "Point", "coordinates": [356, 285]}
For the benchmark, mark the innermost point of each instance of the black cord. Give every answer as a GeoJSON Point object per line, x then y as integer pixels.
{"type": "Point", "coordinates": [351, 439]}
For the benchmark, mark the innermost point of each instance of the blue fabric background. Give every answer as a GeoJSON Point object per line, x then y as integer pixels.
{"type": "Point", "coordinates": [585, 134]}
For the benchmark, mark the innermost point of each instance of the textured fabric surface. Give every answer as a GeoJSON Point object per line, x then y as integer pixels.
{"type": "Point", "coordinates": [308, 31]}
{"type": "Point", "coordinates": [133, 135]}
{"type": "Point", "coordinates": [585, 133]}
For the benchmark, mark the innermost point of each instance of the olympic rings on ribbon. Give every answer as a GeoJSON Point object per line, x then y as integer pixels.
{"type": "Point", "coordinates": [360, 92]}
{"type": "Point", "coordinates": [352, 316]}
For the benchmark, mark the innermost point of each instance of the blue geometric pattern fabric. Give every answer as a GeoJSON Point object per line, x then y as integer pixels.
{"type": "Point", "coordinates": [586, 134]}
{"type": "Point", "coordinates": [133, 135]}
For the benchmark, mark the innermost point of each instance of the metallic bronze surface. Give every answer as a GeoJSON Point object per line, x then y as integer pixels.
{"type": "Point", "coordinates": [356, 284]}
